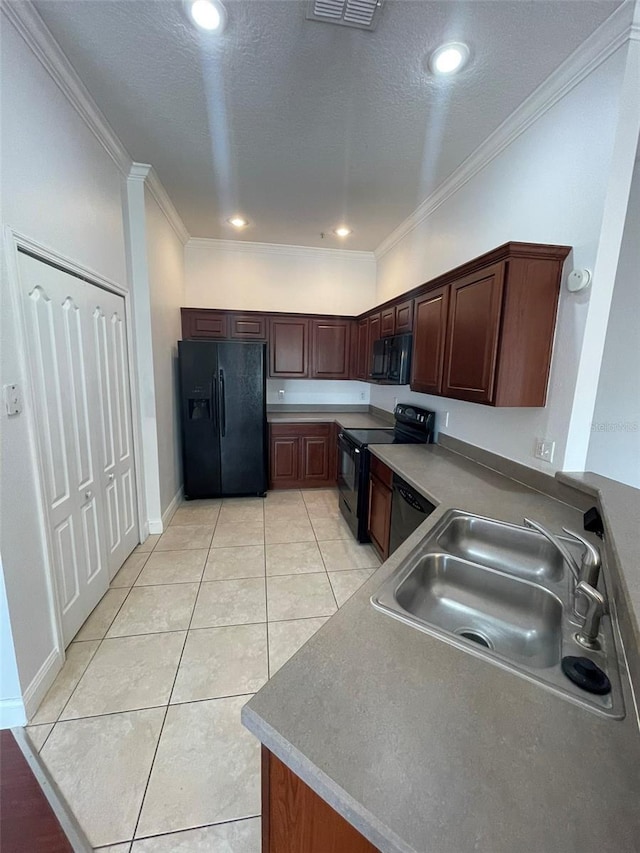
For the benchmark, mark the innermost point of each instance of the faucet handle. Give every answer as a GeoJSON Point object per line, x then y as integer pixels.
{"type": "Point", "coordinates": [596, 608]}
{"type": "Point", "coordinates": [591, 560]}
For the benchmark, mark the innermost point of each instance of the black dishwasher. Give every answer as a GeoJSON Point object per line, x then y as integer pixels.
{"type": "Point", "coordinates": [408, 510]}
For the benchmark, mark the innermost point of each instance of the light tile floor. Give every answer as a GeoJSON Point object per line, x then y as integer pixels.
{"type": "Point", "coordinates": [141, 729]}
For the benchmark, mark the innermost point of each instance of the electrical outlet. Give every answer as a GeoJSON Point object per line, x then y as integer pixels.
{"type": "Point", "coordinates": [395, 402]}
{"type": "Point", "coordinates": [12, 400]}
{"type": "Point", "coordinates": [281, 393]}
{"type": "Point", "coordinates": [444, 418]}
{"type": "Point", "coordinates": [362, 395]}
{"type": "Point", "coordinates": [544, 449]}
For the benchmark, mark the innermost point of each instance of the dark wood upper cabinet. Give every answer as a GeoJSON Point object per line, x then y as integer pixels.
{"type": "Point", "coordinates": [203, 323]}
{"type": "Point", "coordinates": [388, 322]}
{"type": "Point", "coordinates": [248, 327]}
{"type": "Point", "coordinates": [429, 341]}
{"type": "Point", "coordinates": [360, 351]}
{"type": "Point", "coordinates": [330, 349]}
{"type": "Point", "coordinates": [373, 334]}
{"type": "Point", "coordinates": [404, 317]}
{"type": "Point", "coordinates": [472, 335]}
{"type": "Point", "coordinates": [289, 347]}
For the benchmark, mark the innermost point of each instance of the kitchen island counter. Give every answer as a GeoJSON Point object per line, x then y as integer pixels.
{"type": "Point", "coordinates": [425, 748]}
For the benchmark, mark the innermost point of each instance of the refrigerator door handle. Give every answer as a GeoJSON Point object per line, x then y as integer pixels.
{"type": "Point", "coordinates": [223, 411]}
{"type": "Point", "coordinates": [214, 406]}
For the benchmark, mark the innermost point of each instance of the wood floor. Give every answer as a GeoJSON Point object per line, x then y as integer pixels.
{"type": "Point", "coordinates": [27, 821]}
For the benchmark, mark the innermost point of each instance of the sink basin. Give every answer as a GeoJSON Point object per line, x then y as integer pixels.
{"type": "Point", "coordinates": [507, 547]}
{"type": "Point", "coordinates": [509, 616]}
{"type": "Point", "coordinates": [500, 592]}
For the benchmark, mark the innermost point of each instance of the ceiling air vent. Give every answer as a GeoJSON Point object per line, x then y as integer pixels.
{"type": "Point", "coordinates": [363, 14]}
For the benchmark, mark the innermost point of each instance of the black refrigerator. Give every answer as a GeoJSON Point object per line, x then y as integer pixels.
{"type": "Point", "coordinates": [224, 421]}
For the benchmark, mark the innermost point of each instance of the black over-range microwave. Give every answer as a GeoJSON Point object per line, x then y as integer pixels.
{"type": "Point", "coordinates": [392, 360]}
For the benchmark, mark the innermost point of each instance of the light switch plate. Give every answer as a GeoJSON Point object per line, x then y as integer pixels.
{"type": "Point", "coordinates": [544, 449]}
{"type": "Point", "coordinates": [12, 400]}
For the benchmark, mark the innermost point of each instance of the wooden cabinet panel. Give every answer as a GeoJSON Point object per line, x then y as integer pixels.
{"type": "Point", "coordinates": [388, 322]}
{"type": "Point", "coordinates": [296, 820]}
{"type": "Point", "coordinates": [361, 360]}
{"type": "Point", "coordinates": [429, 341]}
{"type": "Point", "coordinates": [381, 471]}
{"type": "Point", "coordinates": [330, 340]}
{"type": "Point", "coordinates": [204, 324]}
{"type": "Point", "coordinates": [379, 515]}
{"type": "Point", "coordinates": [249, 327]}
{"type": "Point", "coordinates": [373, 335]}
{"type": "Point", "coordinates": [472, 335]}
{"type": "Point", "coordinates": [302, 455]}
{"type": "Point", "coordinates": [284, 461]}
{"type": "Point", "coordinates": [289, 347]}
{"type": "Point", "coordinates": [404, 317]}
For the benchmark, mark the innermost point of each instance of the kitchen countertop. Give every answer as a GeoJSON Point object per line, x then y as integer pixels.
{"type": "Point", "coordinates": [347, 420]}
{"type": "Point", "coordinates": [427, 749]}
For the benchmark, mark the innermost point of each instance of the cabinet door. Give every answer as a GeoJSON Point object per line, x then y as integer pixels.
{"type": "Point", "coordinates": [472, 335]}
{"type": "Point", "coordinates": [404, 317]}
{"type": "Point", "coordinates": [330, 349]}
{"type": "Point", "coordinates": [388, 322]}
{"type": "Point", "coordinates": [204, 324]}
{"type": "Point", "coordinates": [373, 335]}
{"type": "Point", "coordinates": [248, 327]}
{"type": "Point", "coordinates": [289, 347]}
{"type": "Point", "coordinates": [360, 369]}
{"type": "Point", "coordinates": [284, 461]}
{"type": "Point", "coordinates": [429, 341]}
{"type": "Point", "coordinates": [379, 515]}
{"type": "Point", "coordinates": [315, 459]}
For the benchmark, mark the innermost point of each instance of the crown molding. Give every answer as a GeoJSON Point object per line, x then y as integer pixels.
{"type": "Point", "coordinates": [45, 48]}
{"type": "Point", "coordinates": [148, 175]}
{"type": "Point", "coordinates": [243, 246]}
{"type": "Point", "coordinates": [620, 27]}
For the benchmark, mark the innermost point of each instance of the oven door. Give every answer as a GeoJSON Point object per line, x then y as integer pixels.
{"type": "Point", "coordinates": [349, 457]}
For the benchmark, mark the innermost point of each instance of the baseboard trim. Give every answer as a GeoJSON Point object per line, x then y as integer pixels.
{"type": "Point", "coordinates": [12, 713]}
{"type": "Point", "coordinates": [159, 525]}
{"type": "Point", "coordinates": [42, 681]}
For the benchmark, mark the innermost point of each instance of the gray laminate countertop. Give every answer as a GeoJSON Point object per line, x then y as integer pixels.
{"type": "Point", "coordinates": [427, 749]}
{"type": "Point", "coordinates": [347, 420]}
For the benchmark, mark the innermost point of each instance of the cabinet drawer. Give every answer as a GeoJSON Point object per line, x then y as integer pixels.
{"type": "Point", "coordinates": [204, 324]}
{"type": "Point", "coordinates": [381, 471]}
{"type": "Point", "coordinates": [248, 327]}
{"type": "Point", "coordinates": [301, 430]}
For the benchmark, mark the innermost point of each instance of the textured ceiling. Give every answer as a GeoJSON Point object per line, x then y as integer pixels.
{"type": "Point", "coordinates": [300, 125]}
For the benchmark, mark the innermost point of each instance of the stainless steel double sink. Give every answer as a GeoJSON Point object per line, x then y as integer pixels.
{"type": "Point", "coordinates": [501, 592]}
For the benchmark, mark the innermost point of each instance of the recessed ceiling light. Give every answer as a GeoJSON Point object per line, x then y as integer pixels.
{"type": "Point", "coordinates": [342, 231]}
{"type": "Point", "coordinates": [238, 221]}
{"type": "Point", "coordinates": [449, 58]}
{"type": "Point", "coordinates": [207, 14]}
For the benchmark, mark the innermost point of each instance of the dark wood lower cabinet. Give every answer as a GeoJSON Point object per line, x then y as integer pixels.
{"type": "Point", "coordinates": [296, 820]}
{"type": "Point", "coordinates": [302, 456]}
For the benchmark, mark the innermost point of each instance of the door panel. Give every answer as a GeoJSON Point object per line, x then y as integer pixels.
{"type": "Point", "coordinates": [315, 458]}
{"type": "Point", "coordinates": [289, 347]}
{"type": "Point", "coordinates": [429, 341]}
{"type": "Point", "coordinates": [68, 341]}
{"type": "Point", "coordinates": [472, 335]}
{"type": "Point", "coordinates": [243, 419]}
{"type": "Point", "coordinates": [330, 349]}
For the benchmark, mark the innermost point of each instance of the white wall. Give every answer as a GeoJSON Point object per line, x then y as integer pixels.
{"type": "Point", "coordinates": [614, 449]}
{"type": "Point", "coordinates": [11, 704]}
{"type": "Point", "coordinates": [61, 189]}
{"type": "Point", "coordinates": [319, 391]}
{"type": "Point", "coordinates": [262, 277]}
{"type": "Point", "coordinates": [165, 254]}
{"type": "Point", "coordinates": [548, 186]}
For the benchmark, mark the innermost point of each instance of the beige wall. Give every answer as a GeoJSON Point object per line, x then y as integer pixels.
{"type": "Point", "coordinates": [264, 277]}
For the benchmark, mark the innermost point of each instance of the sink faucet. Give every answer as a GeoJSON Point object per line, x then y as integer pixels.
{"type": "Point", "coordinates": [585, 574]}
{"type": "Point", "coordinates": [596, 608]}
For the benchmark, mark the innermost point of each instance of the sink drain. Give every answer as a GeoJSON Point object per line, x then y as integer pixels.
{"type": "Point", "coordinates": [475, 637]}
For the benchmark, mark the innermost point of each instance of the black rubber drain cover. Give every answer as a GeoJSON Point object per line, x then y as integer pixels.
{"type": "Point", "coordinates": [586, 674]}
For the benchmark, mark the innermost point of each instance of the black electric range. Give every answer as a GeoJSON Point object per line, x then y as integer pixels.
{"type": "Point", "coordinates": [412, 426]}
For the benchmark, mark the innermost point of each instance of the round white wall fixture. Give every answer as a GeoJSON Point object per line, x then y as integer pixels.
{"type": "Point", "coordinates": [578, 280]}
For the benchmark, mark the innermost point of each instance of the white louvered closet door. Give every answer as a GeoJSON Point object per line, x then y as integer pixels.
{"type": "Point", "coordinates": [77, 353]}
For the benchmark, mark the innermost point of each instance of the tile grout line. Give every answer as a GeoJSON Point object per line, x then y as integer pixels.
{"type": "Point", "coordinates": [173, 685]}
